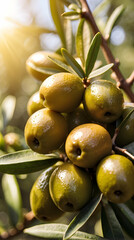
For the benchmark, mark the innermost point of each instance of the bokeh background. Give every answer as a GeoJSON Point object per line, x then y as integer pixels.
{"type": "Point", "coordinates": [26, 26]}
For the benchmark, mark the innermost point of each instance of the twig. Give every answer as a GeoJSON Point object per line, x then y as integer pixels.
{"type": "Point", "coordinates": [121, 81]}
{"type": "Point", "coordinates": [130, 80]}
{"type": "Point", "coordinates": [124, 151]}
{"type": "Point", "coordinates": [19, 229]}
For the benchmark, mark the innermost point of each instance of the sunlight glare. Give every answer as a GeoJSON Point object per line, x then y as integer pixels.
{"type": "Point", "coordinates": [7, 9]}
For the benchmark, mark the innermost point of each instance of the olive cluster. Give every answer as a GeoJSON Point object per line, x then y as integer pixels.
{"type": "Point", "coordinates": [66, 116]}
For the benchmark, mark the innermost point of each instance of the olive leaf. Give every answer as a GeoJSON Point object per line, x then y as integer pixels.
{"type": "Point", "coordinates": [83, 37]}
{"type": "Point", "coordinates": [56, 231]}
{"type": "Point", "coordinates": [49, 71]}
{"type": "Point", "coordinates": [26, 161]}
{"type": "Point", "coordinates": [73, 15]}
{"type": "Point", "coordinates": [97, 64]}
{"type": "Point", "coordinates": [73, 63]}
{"type": "Point", "coordinates": [125, 216]}
{"type": "Point", "coordinates": [100, 7]}
{"type": "Point", "coordinates": [86, 38]}
{"type": "Point", "coordinates": [92, 53]}
{"type": "Point", "coordinates": [61, 64]}
{"type": "Point", "coordinates": [57, 8]}
{"type": "Point", "coordinates": [2, 152]}
{"type": "Point", "coordinates": [69, 36]}
{"type": "Point", "coordinates": [117, 13]}
{"type": "Point", "coordinates": [100, 71]}
{"type": "Point", "coordinates": [110, 225]}
{"type": "Point", "coordinates": [76, 2]}
{"type": "Point", "coordinates": [125, 119]}
{"type": "Point", "coordinates": [74, 6]}
{"type": "Point", "coordinates": [79, 41]}
{"type": "Point", "coordinates": [7, 110]}
{"type": "Point", "coordinates": [13, 198]}
{"type": "Point", "coordinates": [82, 217]}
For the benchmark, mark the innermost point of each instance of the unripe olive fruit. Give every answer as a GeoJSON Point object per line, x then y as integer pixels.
{"type": "Point", "coordinates": [13, 140]}
{"type": "Point", "coordinates": [70, 187]}
{"type": "Point", "coordinates": [77, 117]}
{"type": "Point", "coordinates": [40, 59]}
{"type": "Point", "coordinates": [87, 144]}
{"type": "Point", "coordinates": [115, 178]}
{"type": "Point", "coordinates": [40, 200]}
{"type": "Point", "coordinates": [34, 104]}
{"type": "Point", "coordinates": [45, 131]}
{"type": "Point", "coordinates": [103, 101]}
{"type": "Point", "coordinates": [62, 92]}
{"type": "Point", "coordinates": [126, 132]}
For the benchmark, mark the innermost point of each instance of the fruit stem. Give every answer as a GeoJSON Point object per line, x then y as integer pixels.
{"type": "Point", "coordinates": [121, 81]}
{"type": "Point", "coordinates": [115, 136]}
{"type": "Point", "coordinates": [124, 151]}
{"type": "Point", "coordinates": [130, 80]}
{"type": "Point", "coordinates": [86, 82]}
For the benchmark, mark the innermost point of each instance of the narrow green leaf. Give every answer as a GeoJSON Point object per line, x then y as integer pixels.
{"type": "Point", "coordinates": [125, 120]}
{"type": "Point", "coordinates": [49, 71]}
{"type": "Point", "coordinates": [63, 65]}
{"type": "Point", "coordinates": [130, 204]}
{"type": "Point", "coordinates": [74, 7]}
{"type": "Point", "coordinates": [13, 198]}
{"type": "Point", "coordinates": [83, 37]}
{"type": "Point", "coordinates": [97, 64]}
{"type": "Point", "coordinates": [110, 225]}
{"type": "Point", "coordinates": [86, 38]}
{"type": "Point", "coordinates": [57, 8]}
{"type": "Point", "coordinates": [56, 232]}
{"type": "Point", "coordinates": [125, 216]}
{"type": "Point", "coordinates": [76, 2]}
{"type": "Point", "coordinates": [26, 161]}
{"type": "Point", "coordinates": [7, 109]}
{"type": "Point", "coordinates": [79, 41]}
{"type": "Point", "coordinates": [113, 20]}
{"type": "Point", "coordinates": [68, 35]}
{"type": "Point", "coordinates": [100, 7]}
{"type": "Point", "coordinates": [92, 53]}
{"type": "Point", "coordinates": [73, 14]}
{"type": "Point", "coordinates": [82, 217]}
{"type": "Point", "coordinates": [100, 71]}
{"type": "Point", "coordinates": [72, 18]}
{"type": "Point", "coordinates": [2, 152]}
{"type": "Point", "coordinates": [73, 63]}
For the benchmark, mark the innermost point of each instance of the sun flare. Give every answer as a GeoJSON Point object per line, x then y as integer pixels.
{"type": "Point", "coordinates": [7, 10]}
